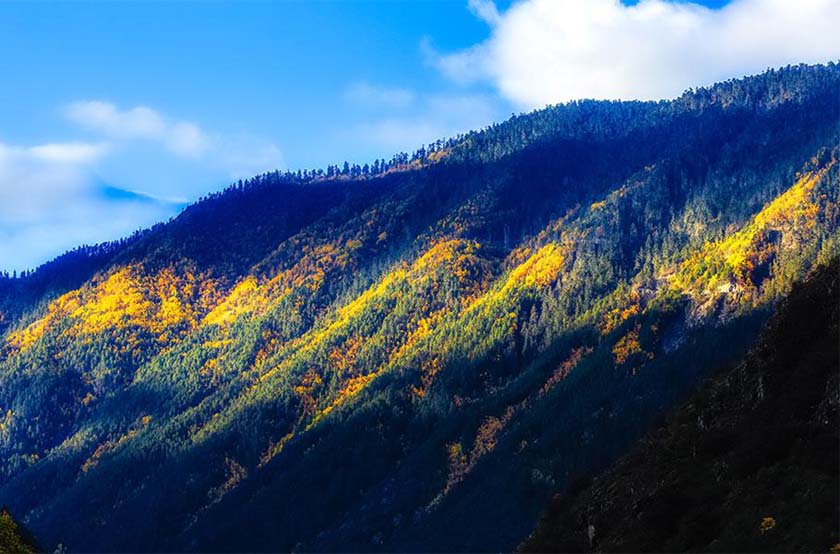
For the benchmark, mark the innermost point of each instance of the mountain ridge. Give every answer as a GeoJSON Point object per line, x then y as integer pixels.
{"type": "Point", "coordinates": [410, 321]}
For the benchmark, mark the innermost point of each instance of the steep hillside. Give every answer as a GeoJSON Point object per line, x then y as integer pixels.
{"type": "Point", "coordinates": [412, 355]}
{"type": "Point", "coordinates": [747, 464]}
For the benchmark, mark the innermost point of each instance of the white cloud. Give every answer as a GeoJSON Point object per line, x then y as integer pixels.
{"type": "Point", "coordinates": [436, 117]}
{"type": "Point", "coordinates": [236, 156]}
{"type": "Point", "coordinates": [69, 152]}
{"type": "Point", "coordinates": [182, 138]}
{"type": "Point", "coordinates": [39, 179]}
{"type": "Point", "coordinates": [187, 139]}
{"type": "Point", "coordinates": [245, 156]}
{"type": "Point", "coordinates": [57, 195]}
{"type": "Point", "coordinates": [51, 201]}
{"type": "Point", "coordinates": [485, 10]}
{"type": "Point", "coordinates": [547, 51]}
{"type": "Point", "coordinates": [106, 118]}
{"type": "Point", "coordinates": [82, 220]}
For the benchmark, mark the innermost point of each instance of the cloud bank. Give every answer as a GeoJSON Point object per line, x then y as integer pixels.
{"type": "Point", "coordinates": [51, 201]}
{"type": "Point", "coordinates": [182, 138]}
{"type": "Point", "coordinates": [239, 156]}
{"type": "Point", "coordinates": [547, 51]}
{"type": "Point", "coordinates": [57, 195]}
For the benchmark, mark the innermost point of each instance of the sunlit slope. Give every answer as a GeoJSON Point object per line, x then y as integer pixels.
{"type": "Point", "coordinates": [365, 362]}
{"type": "Point", "coordinates": [646, 339]}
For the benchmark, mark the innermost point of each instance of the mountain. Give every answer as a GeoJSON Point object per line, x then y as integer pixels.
{"type": "Point", "coordinates": [413, 355]}
{"type": "Point", "coordinates": [747, 464]}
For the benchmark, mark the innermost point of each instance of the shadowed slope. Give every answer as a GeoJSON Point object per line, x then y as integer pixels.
{"type": "Point", "coordinates": [747, 464]}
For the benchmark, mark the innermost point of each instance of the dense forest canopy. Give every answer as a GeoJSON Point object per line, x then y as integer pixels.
{"type": "Point", "coordinates": [413, 354]}
{"type": "Point", "coordinates": [747, 464]}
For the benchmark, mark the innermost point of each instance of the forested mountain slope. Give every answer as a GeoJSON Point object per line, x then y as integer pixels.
{"type": "Point", "coordinates": [412, 355]}
{"type": "Point", "coordinates": [747, 464]}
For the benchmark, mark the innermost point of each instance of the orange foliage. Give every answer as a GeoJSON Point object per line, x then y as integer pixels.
{"type": "Point", "coordinates": [353, 387]}
{"type": "Point", "coordinates": [618, 315]}
{"type": "Point", "coordinates": [458, 465]}
{"type": "Point", "coordinates": [421, 332]}
{"type": "Point", "coordinates": [565, 368]}
{"type": "Point", "coordinates": [343, 357]}
{"type": "Point", "coordinates": [113, 444]}
{"type": "Point", "coordinates": [627, 346]}
{"type": "Point", "coordinates": [305, 391]}
{"type": "Point", "coordinates": [486, 437]}
{"type": "Point", "coordinates": [438, 155]}
{"type": "Point", "coordinates": [6, 420]}
{"type": "Point", "coordinates": [23, 339]}
{"type": "Point", "coordinates": [235, 473]}
{"type": "Point", "coordinates": [274, 449]}
{"type": "Point", "coordinates": [428, 370]}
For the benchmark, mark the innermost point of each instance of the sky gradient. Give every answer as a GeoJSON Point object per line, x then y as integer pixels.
{"type": "Point", "coordinates": [172, 101]}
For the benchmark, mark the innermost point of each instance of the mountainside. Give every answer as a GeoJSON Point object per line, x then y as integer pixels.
{"type": "Point", "coordinates": [414, 355]}
{"type": "Point", "coordinates": [748, 464]}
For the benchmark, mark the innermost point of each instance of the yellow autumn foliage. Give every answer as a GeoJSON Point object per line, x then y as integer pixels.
{"type": "Point", "coordinates": [238, 302]}
{"type": "Point", "coordinates": [767, 524]}
{"type": "Point", "coordinates": [541, 269]}
{"type": "Point", "coordinates": [128, 297]}
{"type": "Point", "coordinates": [794, 213]}
{"type": "Point", "coordinates": [626, 346]}
{"type": "Point", "coordinates": [618, 315]}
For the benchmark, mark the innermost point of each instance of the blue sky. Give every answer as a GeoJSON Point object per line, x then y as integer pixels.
{"type": "Point", "coordinates": [173, 100]}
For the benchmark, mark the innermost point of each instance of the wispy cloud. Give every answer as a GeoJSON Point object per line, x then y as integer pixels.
{"type": "Point", "coordinates": [180, 137]}
{"type": "Point", "coordinates": [67, 152]}
{"type": "Point", "coordinates": [238, 155]}
{"type": "Point", "coordinates": [57, 195]}
{"type": "Point", "coordinates": [51, 200]}
{"type": "Point", "coordinates": [402, 119]}
{"type": "Point", "coordinates": [485, 10]}
{"type": "Point", "coordinates": [41, 178]}
{"type": "Point", "coordinates": [379, 96]}
{"type": "Point", "coordinates": [244, 156]}
{"type": "Point", "coordinates": [433, 117]}
{"type": "Point", "coordinates": [547, 51]}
